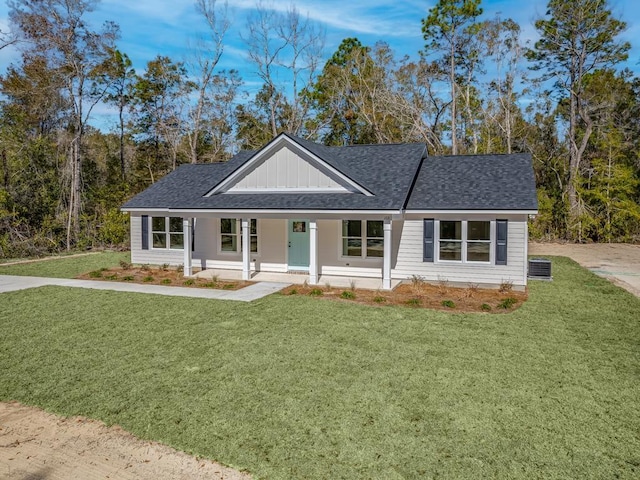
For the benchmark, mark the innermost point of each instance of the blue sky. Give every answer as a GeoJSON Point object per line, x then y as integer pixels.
{"type": "Point", "coordinates": [168, 27]}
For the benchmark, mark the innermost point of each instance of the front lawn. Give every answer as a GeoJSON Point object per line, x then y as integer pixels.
{"type": "Point", "coordinates": [293, 387]}
{"type": "Point", "coordinates": [64, 267]}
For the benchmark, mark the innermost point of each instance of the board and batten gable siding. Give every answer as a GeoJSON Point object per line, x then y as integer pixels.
{"type": "Point", "coordinates": [286, 170]}
{"type": "Point", "coordinates": [410, 260]}
{"type": "Point", "coordinates": [152, 256]}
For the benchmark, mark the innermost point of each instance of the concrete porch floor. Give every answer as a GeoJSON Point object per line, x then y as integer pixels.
{"type": "Point", "coordinates": [298, 278]}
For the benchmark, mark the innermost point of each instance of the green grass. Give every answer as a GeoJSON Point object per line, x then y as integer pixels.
{"type": "Point", "coordinates": [297, 387]}
{"type": "Point", "coordinates": [66, 267]}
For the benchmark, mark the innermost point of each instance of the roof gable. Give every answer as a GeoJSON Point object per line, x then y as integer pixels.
{"type": "Point", "coordinates": [286, 166]}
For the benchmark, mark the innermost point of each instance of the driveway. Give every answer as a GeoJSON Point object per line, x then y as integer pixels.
{"type": "Point", "coordinates": [617, 262]}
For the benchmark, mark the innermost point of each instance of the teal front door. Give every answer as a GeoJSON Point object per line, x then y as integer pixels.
{"type": "Point", "coordinates": [298, 245]}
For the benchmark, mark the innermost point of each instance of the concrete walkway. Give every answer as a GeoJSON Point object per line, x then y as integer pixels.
{"type": "Point", "coordinates": [10, 283]}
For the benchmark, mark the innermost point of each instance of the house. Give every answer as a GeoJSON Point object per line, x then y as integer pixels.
{"type": "Point", "coordinates": [381, 211]}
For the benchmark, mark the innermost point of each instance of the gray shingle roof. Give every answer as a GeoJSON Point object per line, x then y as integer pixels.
{"type": "Point", "coordinates": [492, 182]}
{"type": "Point", "coordinates": [387, 171]}
{"type": "Point", "coordinates": [475, 182]}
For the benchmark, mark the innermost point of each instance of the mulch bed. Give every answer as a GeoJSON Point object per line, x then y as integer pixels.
{"type": "Point", "coordinates": [422, 295]}
{"type": "Point", "coordinates": [413, 295]}
{"type": "Point", "coordinates": [160, 276]}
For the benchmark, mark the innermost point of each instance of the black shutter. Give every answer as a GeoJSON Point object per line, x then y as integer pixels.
{"type": "Point", "coordinates": [145, 232]}
{"type": "Point", "coordinates": [501, 242]}
{"type": "Point", "coordinates": [193, 234]}
{"type": "Point", "coordinates": [427, 254]}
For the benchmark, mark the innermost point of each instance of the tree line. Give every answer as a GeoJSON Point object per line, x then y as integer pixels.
{"type": "Point", "coordinates": [475, 87]}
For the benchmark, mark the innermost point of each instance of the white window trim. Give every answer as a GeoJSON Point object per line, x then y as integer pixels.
{"type": "Point", "coordinates": [363, 238]}
{"type": "Point", "coordinates": [464, 241]}
{"type": "Point", "coordinates": [166, 232]}
{"type": "Point", "coordinates": [239, 235]}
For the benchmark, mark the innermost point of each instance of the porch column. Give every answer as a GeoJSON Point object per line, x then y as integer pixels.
{"type": "Point", "coordinates": [186, 237]}
{"type": "Point", "coordinates": [313, 252]}
{"type": "Point", "coordinates": [246, 249]}
{"type": "Point", "coordinates": [386, 260]}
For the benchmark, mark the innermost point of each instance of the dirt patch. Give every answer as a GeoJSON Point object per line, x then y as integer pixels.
{"type": "Point", "coordinates": [38, 445]}
{"type": "Point", "coordinates": [160, 276]}
{"type": "Point", "coordinates": [617, 262]}
{"type": "Point", "coordinates": [420, 294]}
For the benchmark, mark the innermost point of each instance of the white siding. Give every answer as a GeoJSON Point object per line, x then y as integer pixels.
{"type": "Point", "coordinates": [286, 170]}
{"type": "Point", "coordinates": [406, 251]}
{"type": "Point", "coordinates": [153, 256]}
{"type": "Point", "coordinates": [409, 256]}
{"type": "Point", "coordinates": [330, 259]}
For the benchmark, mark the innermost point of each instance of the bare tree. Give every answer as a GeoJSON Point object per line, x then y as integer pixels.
{"type": "Point", "coordinates": [207, 55]}
{"type": "Point", "coordinates": [284, 44]}
{"type": "Point", "coordinates": [7, 39]}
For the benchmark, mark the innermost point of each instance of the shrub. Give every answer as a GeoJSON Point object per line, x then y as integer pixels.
{"type": "Point", "coordinates": [348, 295]}
{"type": "Point", "coordinates": [146, 267]}
{"type": "Point", "coordinates": [228, 286]}
{"type": "Point", "coordinates": [417, 281]}
{"type": "Point", "coordinates": [128, 278]}
{"type": "Point", "coordinates": [506, 286]}
{"type": "Point", "coordinates": [148, 278]}
{"type": "Point", "coordinates": [379, 299]}
{"type": "Point", "coordinates": [507, 303]}
{"type": "Point", "coordinates": [443, 285]}
{"type": "Point", "coordinates": [113, 276]}
{"type": "Point", "coordinates": [413, 302]}
{"type": "Point", "coordinates": [316, 292]}
{"type": "Point", "coordinates": [471, 290]}
{"type": "Point", "coordinates": [95, 274]}
{"type": "Point", "coordinates": [165, 267]}
{"type": "Point", "coordinates": [125, 265]}
{"type": "Point", "coordinates": [485, 307]}
{"type": "Point", "coordinates": [166, 281]}
{"type": "Point", "coordinates": [293, 291]}
{"type": "Point", "coordinates": [188, 282]}
{"type": "Point", "coordinates": [210, 284]}
{"type": "Point", "coordinates": [448, 304]}
{"type": "Point", "coordinates": [180, 268]}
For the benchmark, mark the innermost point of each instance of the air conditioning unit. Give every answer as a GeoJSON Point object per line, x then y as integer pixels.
{"type": "Point", "coordinates": [539, 269]}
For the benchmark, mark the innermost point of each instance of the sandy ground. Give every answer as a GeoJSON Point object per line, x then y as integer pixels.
{"type": "Point", "coordinates": [35, 445]}
{"type": "Point", "coordinates": [619, 263]}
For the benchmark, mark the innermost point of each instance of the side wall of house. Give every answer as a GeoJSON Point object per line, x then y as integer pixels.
{"type": "Point", "coordinates": [410, 262]}
{"type": "Point", "coordinates": [152, 256]}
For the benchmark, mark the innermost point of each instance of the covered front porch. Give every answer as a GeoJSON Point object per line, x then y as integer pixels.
{"type": "Point", "coordinates": [282, 248]}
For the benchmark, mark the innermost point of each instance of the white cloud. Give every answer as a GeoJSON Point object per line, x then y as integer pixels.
{"type": "Point", "coordinates": [380, 17]}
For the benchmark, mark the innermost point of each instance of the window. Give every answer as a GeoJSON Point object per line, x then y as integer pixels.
{"type": "Point", "coordinates": [167, 232]}
{"type": "Point", "coordinates": [451, 240]}
{"type": "Point", "coordinates": [478, 241]}
{"type": "Point", "coordinates": [363, 238]}
{"type": "Point", "coordinates": [231, 235]}
{"type": "Point", "coordinates": [465, 241]}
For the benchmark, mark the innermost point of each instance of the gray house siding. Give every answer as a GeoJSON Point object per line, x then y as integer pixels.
{"type": "Point", "coordinates": [409, 260]}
